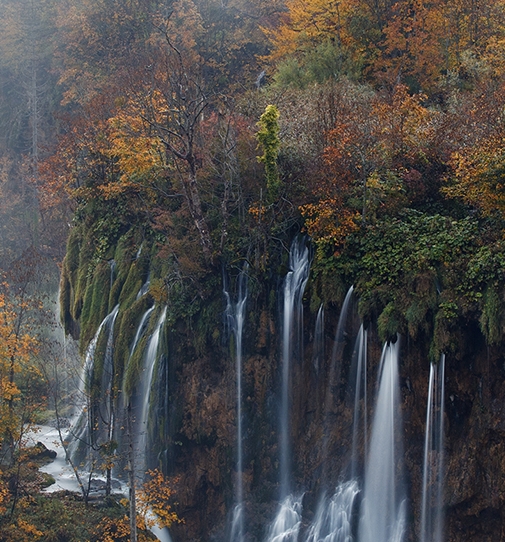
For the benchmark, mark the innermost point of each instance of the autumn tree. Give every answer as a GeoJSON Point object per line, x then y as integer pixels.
{"type": "Point", "coordinates": [165, 111]}
{"type": "Point", "coordinates": [268, 138]}
{"type": "Point", "coordinates": [154, 508]}
{"type": "Point", "coordinates": [377, 161]}
{"type": "Point", "coordinates": [425, 45]}
{"type": "Point", "coordinates": [477, 161]}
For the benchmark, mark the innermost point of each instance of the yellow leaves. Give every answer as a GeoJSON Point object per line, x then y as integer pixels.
{"type": "Point", "coordinates": [155, 499]}
{"type": "Point", "coordinates": [9, 390]}
{"type": "Point", "coordinates": [307, 24]}
{"type": "Point", "coordinates": [28, 530]}
{"type": "Point", "coordinates": [113, 530]}
{"type": "Point", "coordinates": [158, 291]}
{"type": "Point", "coordinates": [17, 348]}
{"type": "Point", "coordinates": [136, 152]}
{"type": "Point", "coordinates": [328, 223]}
{"type": "Point", "coordinates": [153, 508]}
{"type": "Point", "coordinates": [422, 41]}
{"type": "Point", "coordinates": [477, 176]}
{"type": "Point", "coordinates": [4, 496]}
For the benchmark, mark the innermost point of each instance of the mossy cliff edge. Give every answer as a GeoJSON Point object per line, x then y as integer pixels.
{"type": "Point", "coordinates": [427, 278]}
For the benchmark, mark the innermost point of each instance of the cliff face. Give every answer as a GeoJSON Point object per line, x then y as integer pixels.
{"type": "Point", "coordinates": [321, 434]}
{"type": "Point", "coordinates": [192, 423]}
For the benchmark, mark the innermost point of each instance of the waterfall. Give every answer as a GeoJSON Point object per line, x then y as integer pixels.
{"type": "Point", "coordinates": [144, 288]}
{"type": "Point", "coordinates": [141, 328]}
{"type": "Point", "coordinates": [318, 350]}
{"type": "Point", "coordinates": [107, 408]}
{"type": "Point", "coordinates": [112, 264]}
{"type": "Point", "coordinates": [433, 467]}
{"type": "Point", "coordinates": [89, 357]}
{"type": "Point", "coordinates": [79, 432]}
{"type": "Point", "coordinates": [235, 315]}
{"type": "Point", "coordinates": [144, 393]}
{"type": "Point", "coordinates": [360, 362]}
{"type": "Point", "coordinates": [383, 506]}
{"type": "Point", "coordinates": [333, 521]}
{"type": "Point", "coordinates": [294, 286]}
{"type": "Point", "coordinates": [286, 526]}
{"type": "Point", "coordinates": [333, 378]}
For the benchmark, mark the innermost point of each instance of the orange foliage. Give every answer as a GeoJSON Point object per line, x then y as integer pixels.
{"type": "Point", "coordinates": [477, 161]}
{"type": "Point", "coordinates": [328, 223]}
{"type": "Point", "coordinates": [409, 40]}
{"type": "Point", "coordinates": [477, 176]}
{"type": "Point", "coordinates": [373, 151]}
{"type": "Point", "coordinates": [154, 508]}
{"type": "Point", "coordinates": [17, 348]}
{"type": "Point", "coordinates": [155, 500]}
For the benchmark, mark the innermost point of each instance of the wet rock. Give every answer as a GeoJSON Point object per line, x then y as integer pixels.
{"type": "Point", "coordinates": [40, 451]}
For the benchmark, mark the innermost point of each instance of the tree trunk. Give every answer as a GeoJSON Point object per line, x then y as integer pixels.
{"type": "Point", "coordinates": [131, 477]}
{"type": "Point", "coordinates": [195, 209]}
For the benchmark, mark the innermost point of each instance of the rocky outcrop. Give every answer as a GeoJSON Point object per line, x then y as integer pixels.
{"type": "Point", "coordinates": [193, 402]}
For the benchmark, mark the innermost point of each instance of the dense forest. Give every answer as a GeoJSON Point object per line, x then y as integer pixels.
{"type": "Point", "coordinates": [172, 143]}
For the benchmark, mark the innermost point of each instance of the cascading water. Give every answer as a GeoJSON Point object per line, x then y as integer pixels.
{"type": "Point", "coordinates": [333, 521]}
{"type": "Point", "coordinates": [360, 362]}
{"type": "Point", "coordinates": [145, 288]}
{"type": "Point", "coordinates": [333, 517]}
{"type": "Point", "coordinates": [79, 432]}
{"type": "Point", "coordinates": [433, 467]}
{"type": "Point", "coordinates": [318, 351]}
{"type": "Point", "coordinates": [383, 506]}
{"type": "Point", "coordinates": [107, 406]}
{"type": "Point", "coordinates": [294, 286]}
{"type": "Point", "coordinates": [286, 526]}
{"type": "Point", "coordinates": [333, 377]}
{"type": "Point", "coordinates": [235, 315]}
{"type": "Point", "coordinates": [144, 392]}
{"type": "Point", "coordinates": [89, 358]}
{"type": "Point", "coordinates": [113, 266]}
{"type": "Point", "coordinates": [141, 328]}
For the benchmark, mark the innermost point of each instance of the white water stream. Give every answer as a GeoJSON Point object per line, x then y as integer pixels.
{"type": "Point", "coordinates": [383, 514]}
{"type": "Point", "coordinates": [65, 479]}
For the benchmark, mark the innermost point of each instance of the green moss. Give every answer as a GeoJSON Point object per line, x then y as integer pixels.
{"type": "Point", "coordinates": [65, 302]}
{"type": "Point", "coordinates": [207, 326]}
{"type": "Point", "coordinates": [134, 368]}
{"type": "Point", "coordinates": [492, 317]}
{"type": "Point", "coordinates": [72, 256]}
{"type": "Point", "coordinates": [98, 365]}
{"type": "Point", "coordinates": [127, 324]}
{"type": "Point", "coordinates": [69, 275]}
{"type": "Point", "coordinates": [125, 253]}
{"type": "Point", "coordinates": [422, 299]}
{"type": "Point", "coordinates": [132, 285]}
{"type": "Point", "coordinates": [136, 360]}
{"type": "Point", "coordinates": [388, 323]}
{"type": "Point", "coordinates": [96, 302]}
